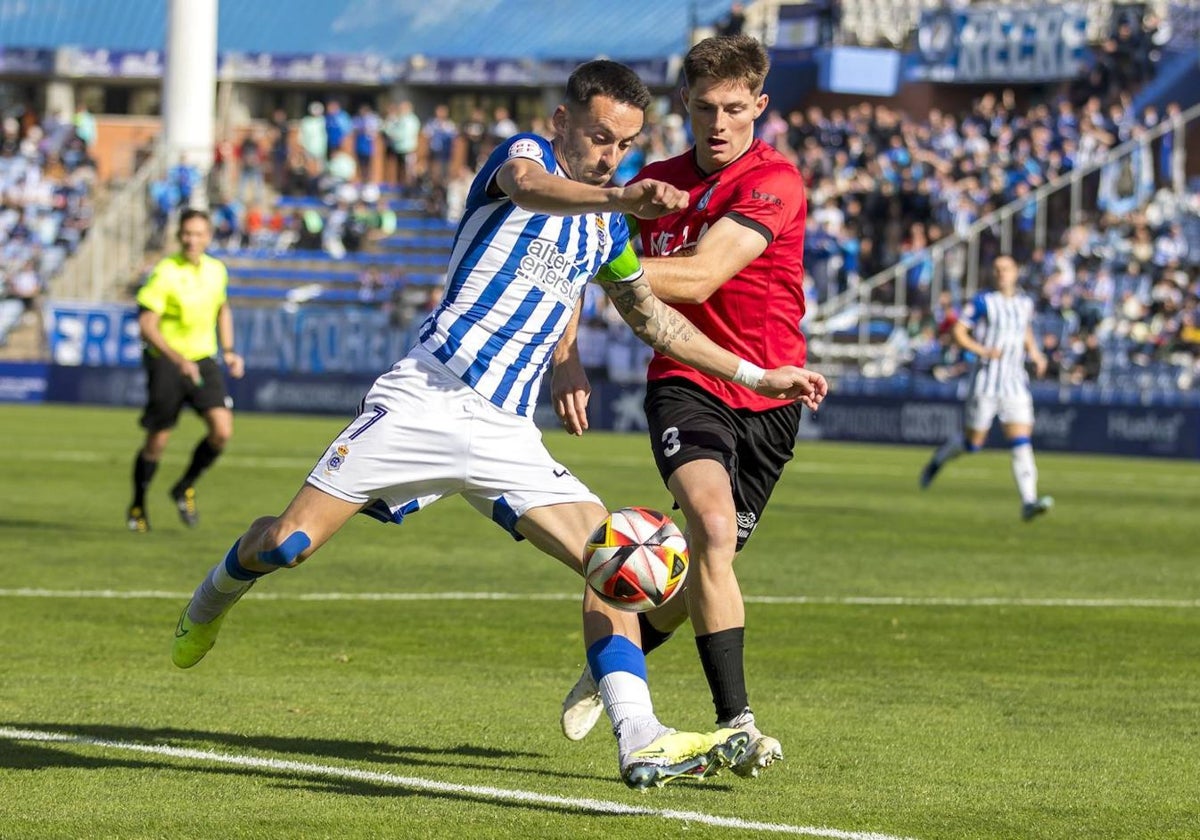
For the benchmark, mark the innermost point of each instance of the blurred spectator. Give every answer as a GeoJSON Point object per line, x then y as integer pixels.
{"type": "Point", "coordinates": [85, 126]}
{"type": "Point", "coordinates": [1088, 360]}
{"type": "Point", "coordinates": [314, 140]}
{"type": "Point", "coordinates": [338, 126]}
{"type": "Point", "coordinates": [251, 184]}
{"type": "Point", "coordinates": [440, 133]}
{"type": "Point", "coordinates": [1053, 351]}
{"type": "Point", "coordinates": [403, 130]}
{"type": "Point", "coordinates": [280, 149]}
{"type": "Point", "coordinates": [503, 125]}
{"type": "Point", "coordinates": [366, 136]}
{"type": "Point", "coordinates": [476, 134]}
{"type": "Point", "coordinates": [26, 286]}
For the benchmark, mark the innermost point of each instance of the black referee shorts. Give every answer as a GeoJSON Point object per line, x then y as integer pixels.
{"type": "Point", "coordinates": [168, 391]}
{"type": "Point", "coordinates": [687, 424]}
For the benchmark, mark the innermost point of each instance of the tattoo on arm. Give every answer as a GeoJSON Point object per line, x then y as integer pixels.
{"type": "Point", "coordinates": [655, 323]}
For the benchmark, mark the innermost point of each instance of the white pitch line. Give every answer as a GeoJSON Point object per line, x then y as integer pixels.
{"type": "Point", "coordinates": [286, 462]}
{"type": "Point", "coordinates": [300, 768]}
{"type": "Point", "coordinates": [845, 600]}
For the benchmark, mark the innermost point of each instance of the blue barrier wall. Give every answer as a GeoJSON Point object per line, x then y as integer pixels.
{"type": "Point", "coordinates": [320, 360]}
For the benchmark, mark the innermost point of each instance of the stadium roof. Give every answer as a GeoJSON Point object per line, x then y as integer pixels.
{"type": "Point", "coordinates": [395, 29]}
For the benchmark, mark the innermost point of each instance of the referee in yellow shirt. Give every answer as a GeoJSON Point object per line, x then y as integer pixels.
{"type": "Point", "coordinates": [183, 314]}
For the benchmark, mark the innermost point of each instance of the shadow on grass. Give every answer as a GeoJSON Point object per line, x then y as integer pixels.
{"type": "Point", "coordinates": [35, 755]}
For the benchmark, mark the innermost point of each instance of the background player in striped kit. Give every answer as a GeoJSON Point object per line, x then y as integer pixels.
{"type": "Point", "coordinates": [455, 416]}
{"type": "Point", "coordinates": [997, 327]}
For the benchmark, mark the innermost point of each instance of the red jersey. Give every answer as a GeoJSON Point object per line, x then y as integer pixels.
{"type": "Point", "coordinates": [756, 313]}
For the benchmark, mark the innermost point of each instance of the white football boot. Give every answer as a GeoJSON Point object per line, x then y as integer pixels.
{"type": "Point", "coordinates": [582, 707]}
{"type": "Point", "coordinates": [762, 751]}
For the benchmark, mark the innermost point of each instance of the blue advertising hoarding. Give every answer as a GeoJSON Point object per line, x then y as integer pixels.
{"type": "Point", "coordinates": [323, 360]}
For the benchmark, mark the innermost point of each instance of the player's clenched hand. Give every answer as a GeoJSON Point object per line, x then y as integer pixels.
{"type": "Point", "coordinates": [793, 383]}
{"type": "Point", "coordinates": [650, 199]}
{"type": "Point", "coordinates": [570, 390]}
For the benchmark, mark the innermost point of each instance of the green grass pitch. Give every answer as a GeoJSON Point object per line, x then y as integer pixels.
{"type": "Point", "coordinates": [935, 668]}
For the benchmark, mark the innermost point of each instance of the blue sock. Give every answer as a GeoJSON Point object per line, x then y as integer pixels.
{"type": "Point", "coordinates": [222, 586]}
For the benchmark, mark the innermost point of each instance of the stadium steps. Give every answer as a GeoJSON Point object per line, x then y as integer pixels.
{"type": "Point", "coordinates": [25, 342]}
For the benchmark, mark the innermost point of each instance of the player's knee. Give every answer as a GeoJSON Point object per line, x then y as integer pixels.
{"type": "Point", "coordinates": [280, 549]}
{"type": "Point", "coordinates": [716, 529]}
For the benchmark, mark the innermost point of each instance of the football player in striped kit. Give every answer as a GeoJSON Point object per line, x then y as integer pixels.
{"type": "Point", "coordinates": [455, 416]}
{"type": "Point", "coordinates": [997, 328]}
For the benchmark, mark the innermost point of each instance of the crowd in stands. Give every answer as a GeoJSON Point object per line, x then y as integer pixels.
{"type": "Point", "coordinates": [46, 184]}
{"type": "Point", "coordinates": [884, 185]}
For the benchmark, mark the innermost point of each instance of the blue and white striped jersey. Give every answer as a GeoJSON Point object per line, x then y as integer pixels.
{"type": "Point", "coordinates": [512, 283]}
{"type": "Point", "coordinates": [1003, 322]}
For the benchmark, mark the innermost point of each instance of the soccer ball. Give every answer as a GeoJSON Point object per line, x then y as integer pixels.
{"type": "Point", "coordinates": [637, 559]}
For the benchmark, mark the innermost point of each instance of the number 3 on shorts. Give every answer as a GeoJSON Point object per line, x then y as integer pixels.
{"type": "Point", "coordinates": [670, 439]}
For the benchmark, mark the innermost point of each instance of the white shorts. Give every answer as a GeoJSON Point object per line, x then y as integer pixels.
{"type": "Point", "coordinates": [423, 434]}
{"type": "Point", "coordinates": [981, 411]}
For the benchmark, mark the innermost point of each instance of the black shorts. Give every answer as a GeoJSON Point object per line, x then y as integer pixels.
{"type": "Point", "coordinates": [168, 391]}
{"type": "Point", "coordinates": [687, 424]}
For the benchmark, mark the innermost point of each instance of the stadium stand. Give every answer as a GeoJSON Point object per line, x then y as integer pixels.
{"type": "Point", "coordinates": [46, 183]}
{"type": "Point", "coordinates": [1112, 268]}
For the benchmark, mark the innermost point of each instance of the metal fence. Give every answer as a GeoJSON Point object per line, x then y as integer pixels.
{"type": "Point", "coordinates": [111, 254]}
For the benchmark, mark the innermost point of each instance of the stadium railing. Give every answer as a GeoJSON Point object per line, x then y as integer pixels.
{"type": "Point", "coordinates": [117, 242]}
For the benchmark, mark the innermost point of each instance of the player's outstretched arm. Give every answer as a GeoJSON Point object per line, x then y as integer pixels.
{"type": "Point", "coordinates": [532, 188]}
{"type": "Point", "coordinates": [695, 274]}
{"type": "Point", "coordinates": [669, 332]}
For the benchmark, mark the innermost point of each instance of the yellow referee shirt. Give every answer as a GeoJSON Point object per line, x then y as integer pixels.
{"type": "Point", "coordinates": [188, 297]}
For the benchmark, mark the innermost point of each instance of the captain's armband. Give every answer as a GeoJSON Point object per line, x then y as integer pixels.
{"type": "Point", "coordinates": [624, 267]}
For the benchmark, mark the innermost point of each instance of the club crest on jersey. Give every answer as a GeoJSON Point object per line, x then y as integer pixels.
{"type": "Point", "coordinates": [704, 199]}
{"type": "Point", "coordinates": [525, 148]}
{"type": "Point", "coordinates": [337, 458]}
{"type": "Point", "coordinates": [601, 232]}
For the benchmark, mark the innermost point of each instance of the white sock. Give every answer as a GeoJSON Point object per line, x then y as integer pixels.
{"type": "Point", "coordinates": [626, 698]}
{"type": "Point", "coordinates": [218, 590]}
{"type": "Point", "coordinates": [949, 450]}
{"type": "Point", "coordinates": [1025, 472]}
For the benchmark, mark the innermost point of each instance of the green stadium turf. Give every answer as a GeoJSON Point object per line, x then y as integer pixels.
{"type": "Point", "coordinates": [934, 667]}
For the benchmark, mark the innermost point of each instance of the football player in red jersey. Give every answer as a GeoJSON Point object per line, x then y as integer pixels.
{"type": "Point", "coordinates": [731, 262]}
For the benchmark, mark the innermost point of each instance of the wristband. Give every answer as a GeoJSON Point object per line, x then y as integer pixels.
{"type": "Point", "coordinates": [228, 350]}
{"type": "Point", "coordinates": [748, 374]}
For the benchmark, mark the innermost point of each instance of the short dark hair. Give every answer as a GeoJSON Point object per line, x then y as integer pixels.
{"type": "Point", "coordinates": [728, 58]}
{"type": "Point", "coordinates": [194, 213]}
{"type": "Point", "coordinates": [607, 78]}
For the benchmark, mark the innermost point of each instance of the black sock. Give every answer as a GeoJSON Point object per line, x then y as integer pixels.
{"type": "Point", "coordinates": [652, 637]}
{"type": "Point", "coordinates": [721, 655]}
{"type": "Point", "coordinates": [143, 472]}
{"type": "Point", "coordinates": [202, 458]}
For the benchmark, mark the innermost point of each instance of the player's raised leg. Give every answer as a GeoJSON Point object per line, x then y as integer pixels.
{"type": "Point", "coordinates": [649, 753]}
{"type": "Point", "coordinates": [270, 543]}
